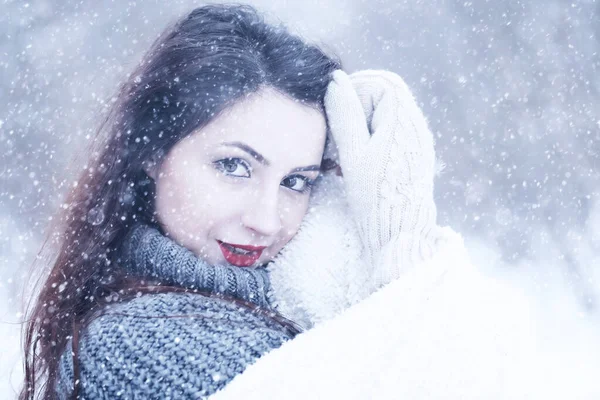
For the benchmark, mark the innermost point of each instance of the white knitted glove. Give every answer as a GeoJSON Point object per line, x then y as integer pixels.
{"type": "Point", "coordinates": [387, 157]}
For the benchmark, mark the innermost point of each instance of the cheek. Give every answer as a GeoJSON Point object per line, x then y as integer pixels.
{"type": "Point", "coordinates": [293, 212]}
{"type": "Point", "coordinates": [183, 201]}
{"type": "Point", "coordinates": [197, 199]}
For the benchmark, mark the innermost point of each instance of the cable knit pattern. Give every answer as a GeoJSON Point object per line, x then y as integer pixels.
{"type": "Point", "coordinates": [173, 345]}
{"type": "Point", "coordinates": [387, 157]}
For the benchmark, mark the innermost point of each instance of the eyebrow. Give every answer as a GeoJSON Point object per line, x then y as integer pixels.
{"type": "Point", "coordinates": [259, 157]}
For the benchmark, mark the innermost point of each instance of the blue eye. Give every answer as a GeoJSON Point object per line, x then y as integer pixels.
{"type": "Point", "coordinates": [233, 166]}
{"type": "Point", "coordinates": [298, 183]}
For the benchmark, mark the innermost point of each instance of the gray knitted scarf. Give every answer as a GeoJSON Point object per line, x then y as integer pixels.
{"type": "Point", "coordinates": [146, 252]}
{"type": "Point", "coordinates": [177, 344]}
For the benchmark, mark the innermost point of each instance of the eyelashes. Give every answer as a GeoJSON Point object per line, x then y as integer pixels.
{"type": "Point", "coordinates": [239, 168]}
{"type": "Point", "coordinates": [224, 164]}
{"type": "Point", "coordinates": [307, 183]}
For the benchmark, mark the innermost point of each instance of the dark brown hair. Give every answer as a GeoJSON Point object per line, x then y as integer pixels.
{"type": "Point", "coordinates": [196, 69]}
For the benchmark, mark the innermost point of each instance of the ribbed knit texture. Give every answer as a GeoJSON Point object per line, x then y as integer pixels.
{"type": "Point", "coordinates": [149, 253]}
{"type": "Point", "coordinates": [172, 345]}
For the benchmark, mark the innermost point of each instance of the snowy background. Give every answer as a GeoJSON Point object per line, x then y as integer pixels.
{"type": "Point", "coordinates": [511, 90]}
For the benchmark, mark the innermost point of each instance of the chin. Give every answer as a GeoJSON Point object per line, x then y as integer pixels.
{"type": "Point", "coordinates": [270, 258]}
{"type": "Point", "coordinates": [264, 262]}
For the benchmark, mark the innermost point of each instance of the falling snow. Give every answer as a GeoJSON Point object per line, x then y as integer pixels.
{"type": "Point", "coordinates": [511, 90]}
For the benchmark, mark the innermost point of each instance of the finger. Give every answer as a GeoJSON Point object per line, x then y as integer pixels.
{"type": "Point", "coordinates": [346, 117]}
{"type": "Point", "coordinates": [372, 85]}
{"type": "Point", "coordinates": [376, 95]}
{"type": "Point", "coordinates": [398, 122]}
{"type": "Point", "coordinates": [385, 77]}
{"type": "Point", "coordinates": [395, 108]}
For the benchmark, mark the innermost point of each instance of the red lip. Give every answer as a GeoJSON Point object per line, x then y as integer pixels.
{"type": "Point", "coordinates": [246, 247]}
{"type": "Point", "coordinates": [241, 260]}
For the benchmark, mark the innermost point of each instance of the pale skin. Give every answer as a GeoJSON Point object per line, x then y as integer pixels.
{"type": "Point", "coordinates": [244, 178]}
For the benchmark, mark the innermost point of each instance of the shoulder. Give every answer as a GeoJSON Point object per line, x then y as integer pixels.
{"type": "Point", "coordinates": [176, 344]}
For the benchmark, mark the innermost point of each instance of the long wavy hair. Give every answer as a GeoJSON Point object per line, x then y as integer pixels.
{"type": "Point", "coordinates": [201, 65]}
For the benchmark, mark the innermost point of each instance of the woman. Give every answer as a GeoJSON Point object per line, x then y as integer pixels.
{"type": "Point", "coordinates": [437, 327]}
{"type": "Point", "coordinates": [201, 174]}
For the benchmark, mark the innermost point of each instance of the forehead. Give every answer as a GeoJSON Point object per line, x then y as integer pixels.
{"type": "Point", "coordinates": [277, 126]}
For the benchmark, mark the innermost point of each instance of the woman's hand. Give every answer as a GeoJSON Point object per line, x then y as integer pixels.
{"type": "Point", "coordinates": [387, 157]}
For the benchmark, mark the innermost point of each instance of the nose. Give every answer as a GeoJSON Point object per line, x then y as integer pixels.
{"type": "Point", "coordinates": [262, 214]}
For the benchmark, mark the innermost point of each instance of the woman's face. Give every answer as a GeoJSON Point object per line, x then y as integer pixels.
{"type": "Point", "coordinates": [244, 179]}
